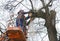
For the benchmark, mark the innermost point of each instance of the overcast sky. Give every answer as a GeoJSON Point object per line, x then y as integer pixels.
{"type": "Point", "coordinates": [5, 16]}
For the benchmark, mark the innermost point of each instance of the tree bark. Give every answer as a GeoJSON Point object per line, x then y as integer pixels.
{"type": "Point", "coordinates": [52, 33]}
{"type": "Point", "coordinates": [49, 18]}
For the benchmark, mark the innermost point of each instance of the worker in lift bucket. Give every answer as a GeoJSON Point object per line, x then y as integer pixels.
{"type": "Point", "coordinates": [21, 20]}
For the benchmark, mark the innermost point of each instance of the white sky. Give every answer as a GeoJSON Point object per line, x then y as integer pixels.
{"type": "Point", "coordinates": [4, 16]}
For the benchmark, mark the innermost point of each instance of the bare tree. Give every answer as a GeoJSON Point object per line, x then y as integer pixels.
{"type": "Point", "coordinates": [49, 17]}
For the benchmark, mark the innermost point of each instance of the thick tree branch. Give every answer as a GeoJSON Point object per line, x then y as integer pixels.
{"type": "Point", "coordinates": [43, 3]}
{"type": "Point", "coordinates": [44, 6]}
{"type": "Point", "coordinates": [31, 4]}
{"type": "Point", "coordinates": [49, 3]}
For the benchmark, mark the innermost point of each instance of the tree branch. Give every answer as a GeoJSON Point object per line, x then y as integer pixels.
{"type": "Point", "coordinates": [46, 5]}
{"type": "Point", "coordinates": [49, 3]}
{"type": "Point", "coordinates": [44, 36]}
{"type": "Point", "coordinates": [25, 6]}
{"type": "Point", "coordinates": [19, 3]}
{"type": "Point", "coordinates": [31, 4]}
{"type": "Point", "coordinates": [22, 4]}
{"type": "Point", "coordinates": [43, 3]}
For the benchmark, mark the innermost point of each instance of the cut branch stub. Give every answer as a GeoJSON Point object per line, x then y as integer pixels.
{"type": "Point", "coordinates": [41, 14]}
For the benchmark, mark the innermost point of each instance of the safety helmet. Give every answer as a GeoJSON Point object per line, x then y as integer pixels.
{"type": "Point", "coordinates": [21, 11]}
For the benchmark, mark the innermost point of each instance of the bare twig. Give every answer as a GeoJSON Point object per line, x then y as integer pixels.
{"type": "Point", "coordinates": [25, 6]}
{"type": "Point", "coordinates": [44, 36]}
{"type": "Point", "coordinates": [3, 24]}
{"type": "Point", "coordinates": [22, 4]}
{"type": "Point", "coordinates": [19, 3]}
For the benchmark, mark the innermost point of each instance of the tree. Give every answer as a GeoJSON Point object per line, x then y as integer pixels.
{"type": "Point", "coordinates": [49, 17]}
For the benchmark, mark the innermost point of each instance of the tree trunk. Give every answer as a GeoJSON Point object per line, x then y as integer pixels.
{"type": "Point", "coordinates": [49, 17]}
{"type": "Point", "coordinates": [52, 33]}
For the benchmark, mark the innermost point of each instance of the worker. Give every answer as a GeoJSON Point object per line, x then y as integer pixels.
{"type": "Point", "coordinates": [21, 20]}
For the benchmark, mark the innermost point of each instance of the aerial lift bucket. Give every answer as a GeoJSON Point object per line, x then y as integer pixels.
{"type": "Point", "coordinates": [15, 34]}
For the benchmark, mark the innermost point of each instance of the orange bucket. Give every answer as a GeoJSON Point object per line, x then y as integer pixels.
{"type": "Point", "coordinates": [15, 33]}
